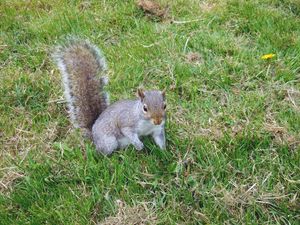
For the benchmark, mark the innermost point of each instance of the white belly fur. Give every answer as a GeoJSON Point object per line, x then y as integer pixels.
{"type": "Point", "coordinates": [146, 128]}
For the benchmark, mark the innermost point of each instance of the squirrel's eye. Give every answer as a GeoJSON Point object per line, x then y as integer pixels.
{"type": "Point", "coordinates": [165, 106]}
{"type": "Point", "coordinates": [145, 108]}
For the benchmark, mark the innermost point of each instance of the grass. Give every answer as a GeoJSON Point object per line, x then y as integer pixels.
{"type": "Point", "coordinates": [233, 119]}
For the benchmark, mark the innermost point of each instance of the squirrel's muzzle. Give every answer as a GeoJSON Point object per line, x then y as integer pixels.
{"type": "Point", "coordinates": [157, 121]}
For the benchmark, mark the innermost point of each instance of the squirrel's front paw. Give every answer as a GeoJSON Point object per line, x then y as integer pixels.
{"type": "Point", "coordinates": [163, 147]}
{"type": "Point", "coordinates": [139, 146]}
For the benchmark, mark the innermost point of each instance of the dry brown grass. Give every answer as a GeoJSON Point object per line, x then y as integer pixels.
{"type": "Point", "coordinates": [279, 133]}
{"type": "Point", "coordinates": [224, 104]}
{"type": "Point", "coordinates": [8, 179]}
{"type": "Point", "coordinates": [207, 6]}
{"type": "Point", "coordinates": [138, 214]}
{"type": "Point", "coordinates": [193, 58]}
{"type": "Point", "coordinates": [293, 96]}
{"type": "Point", "coordinates": [241, 196]}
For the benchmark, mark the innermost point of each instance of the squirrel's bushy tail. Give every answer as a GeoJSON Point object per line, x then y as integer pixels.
{"type": "Point", "coordinates": [83, 68]}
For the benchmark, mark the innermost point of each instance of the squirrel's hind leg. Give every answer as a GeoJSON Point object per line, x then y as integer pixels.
{"type": "Point", "coordinates": [106, 144]}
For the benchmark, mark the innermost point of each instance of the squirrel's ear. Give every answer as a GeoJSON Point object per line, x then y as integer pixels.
{"type": "Point", "coordinates": [163, 92]}
{"type": "Point", "coordinates": [140, 93]}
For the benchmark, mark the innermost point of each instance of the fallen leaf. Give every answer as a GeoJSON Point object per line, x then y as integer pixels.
{"type": "Point", "coordinates": [153, 8]}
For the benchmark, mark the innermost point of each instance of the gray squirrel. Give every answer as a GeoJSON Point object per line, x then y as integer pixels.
{"type": "Point", "coordinates": [83, 69]}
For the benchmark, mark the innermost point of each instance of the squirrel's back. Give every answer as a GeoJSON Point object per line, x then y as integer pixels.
{"type": "Point", "coordinates": [81, 65]}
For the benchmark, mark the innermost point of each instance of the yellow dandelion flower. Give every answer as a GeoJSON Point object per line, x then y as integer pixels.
{"type": "Point", "coordinates": [268, 56]}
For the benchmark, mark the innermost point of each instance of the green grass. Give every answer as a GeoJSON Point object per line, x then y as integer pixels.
{"type": "Point", "coordinates": [233, 127]}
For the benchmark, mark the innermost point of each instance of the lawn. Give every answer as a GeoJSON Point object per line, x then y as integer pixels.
{"type": "Point", "coordinates": [233, 131]}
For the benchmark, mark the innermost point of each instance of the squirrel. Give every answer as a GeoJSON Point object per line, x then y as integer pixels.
{"type": "Point", "coordinates": [111, 127]}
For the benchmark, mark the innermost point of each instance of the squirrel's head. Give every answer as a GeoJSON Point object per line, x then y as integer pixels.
{"type": "Point", "coordinates": [153, 105]}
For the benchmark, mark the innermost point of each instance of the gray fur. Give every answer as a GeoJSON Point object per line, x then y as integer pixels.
{"type": "Point", "coordinates": [124, 122]}
{"type": "Point", "coordinates": [111, 127]}
{"type": "Point", "coordinates": [81, 65]}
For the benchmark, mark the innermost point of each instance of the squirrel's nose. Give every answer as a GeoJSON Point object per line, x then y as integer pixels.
{"type": "Point", "coordinates": [157, 121]}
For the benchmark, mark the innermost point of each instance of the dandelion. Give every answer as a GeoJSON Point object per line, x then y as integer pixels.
{"type": "Point", "coordinates": [268, 56]}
